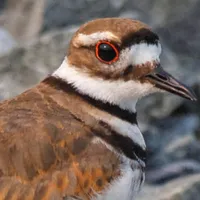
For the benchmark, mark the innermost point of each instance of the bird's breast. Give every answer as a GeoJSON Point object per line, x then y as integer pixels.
{"type": "Point", "coordinates": [126, 186]}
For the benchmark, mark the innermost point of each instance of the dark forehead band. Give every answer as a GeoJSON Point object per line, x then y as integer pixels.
{"type": "Point", "coordinates": [143, 35]}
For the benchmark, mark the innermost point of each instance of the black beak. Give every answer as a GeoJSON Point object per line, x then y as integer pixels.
{"type": "Point", "coordinates": [165, 81]}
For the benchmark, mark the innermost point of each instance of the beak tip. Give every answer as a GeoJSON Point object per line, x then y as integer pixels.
{"type": "Point", "coordinates": [194, 98]}
{"type": "Point", "coordinates": [165, 81]}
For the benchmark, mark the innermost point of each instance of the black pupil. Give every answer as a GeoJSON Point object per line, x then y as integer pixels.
{"type": "Point", "coordinates": [106, 52]}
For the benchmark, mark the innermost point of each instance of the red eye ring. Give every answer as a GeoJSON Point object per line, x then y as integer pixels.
{"type": "Point", "coordinates": [113, 47]}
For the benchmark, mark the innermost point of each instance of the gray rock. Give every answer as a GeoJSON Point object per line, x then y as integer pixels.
{"type": "Point", "coordinates": [172, 171]}
{"type": "Point", "coordinates": [161, 13]}
{"type": "Point", "coordinates": [182, 34]}
{"type": "Point", "coordinates": [23, 19]}
{"type": "Point", "coordinates": [185, 188]}
{"type": "Point", "coordinates": [7, 42]}
{"type": "Point", "coordinates": [172, 140]}
{"type": "Point", "coordinates": [27, 65]}
{"type": "Point", "coordinates": [133, 14]}
{"type": "Point", "coordinates": [119, 4]}
{"type": "Point", "coordinates": [62, 13]}
{"type": "Point", "coordinates": [2, 4]}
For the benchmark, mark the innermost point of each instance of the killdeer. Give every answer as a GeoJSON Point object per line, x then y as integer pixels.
{"type": "Point", "coordinates": [75, 134]}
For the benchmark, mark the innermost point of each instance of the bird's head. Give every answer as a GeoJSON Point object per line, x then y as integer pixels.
{"type": "Point", "coordinates": [118, 61]}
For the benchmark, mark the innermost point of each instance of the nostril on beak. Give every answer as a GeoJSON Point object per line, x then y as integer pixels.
{"type": "Point", "coordinates": [167, 82]}
{"type": "Point", "coordinates": [162, 77]}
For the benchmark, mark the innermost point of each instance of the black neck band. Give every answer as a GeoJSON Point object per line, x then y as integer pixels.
{"type": "Point", "coordinates": [107, 107]}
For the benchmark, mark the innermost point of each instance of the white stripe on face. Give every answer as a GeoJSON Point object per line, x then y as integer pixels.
{"type": "Point", "coordinates": [137, 54]}
{"type": "Point", "coordinates": [125, 94]}
{"type": "Point", "coordinates": [92, 39]}
{"type": "Point", "coordinates": [143, 53]}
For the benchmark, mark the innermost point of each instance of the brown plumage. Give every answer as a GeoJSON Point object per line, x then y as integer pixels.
{"type": "Point", "coordinates": [46, 150]}
{"type": "Point", "coordinates": [47, 134]}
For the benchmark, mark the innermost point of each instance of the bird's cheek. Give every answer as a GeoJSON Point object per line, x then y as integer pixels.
{"type": "Point", "coordinates": [139, 71]}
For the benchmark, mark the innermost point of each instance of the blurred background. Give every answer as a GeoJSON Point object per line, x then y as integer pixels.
{"type": "Point", "coordinates": [34, 35]}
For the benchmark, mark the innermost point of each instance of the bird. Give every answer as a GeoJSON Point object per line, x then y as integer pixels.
{"type": "Point", "coordinates": [74, 135]}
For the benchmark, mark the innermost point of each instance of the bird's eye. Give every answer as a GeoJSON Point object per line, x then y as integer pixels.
{"type": "Point", "coordinates": [106, 52]}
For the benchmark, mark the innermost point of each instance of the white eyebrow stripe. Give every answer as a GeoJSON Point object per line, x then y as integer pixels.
{"type": "Point", "coordinates": [88, 40]}
{"type": "Point", "coordinates": [144, 52]}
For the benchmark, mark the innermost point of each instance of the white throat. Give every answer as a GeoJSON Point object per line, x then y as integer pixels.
{"type": "Point", "coordinates": [125, 94]}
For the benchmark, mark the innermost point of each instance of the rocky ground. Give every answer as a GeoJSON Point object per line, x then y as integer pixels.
{"type": "Point", "coordinates": [170, 124]}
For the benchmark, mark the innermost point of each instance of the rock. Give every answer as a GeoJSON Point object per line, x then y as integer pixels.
{"type": "Point", "coordinates": [63, 13]}
{"type": "Point", "coordinates": [183, 42]}
{"type": "Point", "coordinates": [7, 42]}
{"type": "Point", "coordinates": [24, 18]}
{"type": "Point", "coordinates": [134, 14]}
{"type": "Point", "coordinates": [185, 188]}
{"type": "Point", "coordinates": [172, 139]}
{"type": "Point", "coordinates": [172, 171]}
{"type": "Point", "coordinates": [118, 4]}
{"type": "Point", "coordinates": [161, 13]}
{"type": "Point", "coordinates": [27, 65]}
{"type": "Point", "coordinates": [2, 5]}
